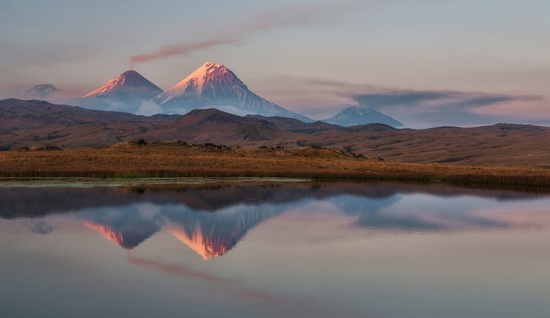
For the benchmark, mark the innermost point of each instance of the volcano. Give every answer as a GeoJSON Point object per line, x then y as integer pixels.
{"type": "Point", "coordinates": [125, 92]}
{"type": "Point", "coordinates": [358, 115]}
{"type": "Point", "coordinates": [215, 86]}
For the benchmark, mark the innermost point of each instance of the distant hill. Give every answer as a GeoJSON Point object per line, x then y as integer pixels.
{"type": "Point", "coordinates": [37, 123]}
{"type": "Point", "coordinates": [358, 115]}
{"type": "Point", "coordinates": [40, 124]}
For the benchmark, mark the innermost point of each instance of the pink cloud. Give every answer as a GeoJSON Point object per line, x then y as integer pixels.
{"type": "Point", "coordinates": [292, 16]}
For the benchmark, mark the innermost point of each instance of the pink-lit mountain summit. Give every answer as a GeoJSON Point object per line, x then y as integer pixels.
{"type": "Point", "coordinates": [125, 92]}
{"type": "Point", "coordinates": [129, 82]}
{"type": "Point", "coordinates": [215, 86]}
{"type": "Point", "coordinates": [210, 86]}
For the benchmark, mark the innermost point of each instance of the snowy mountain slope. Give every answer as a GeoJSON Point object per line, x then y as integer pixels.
{"type": "Point", "coordinates": [125, 92]}
{"type": "Point", "coordinates": [356, 115]}
{"type": "Point", "coordinates": [215, 86]}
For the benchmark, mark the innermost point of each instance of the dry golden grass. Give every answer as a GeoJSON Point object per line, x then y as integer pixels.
{"type": "Point", "coordinates": [177, 160]}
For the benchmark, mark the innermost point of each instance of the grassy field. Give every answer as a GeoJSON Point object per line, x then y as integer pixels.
{"type": "Point", "coordinates": [180, 160]}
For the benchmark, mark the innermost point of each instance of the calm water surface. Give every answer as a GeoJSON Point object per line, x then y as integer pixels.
{"type": "Point", "coordinates": [329, 250]}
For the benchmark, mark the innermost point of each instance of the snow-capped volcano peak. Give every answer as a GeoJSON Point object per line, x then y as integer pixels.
{"type": "Point", "coordinates": [110, 86]}
{"type": "Point", "coordinates": [215, 86]}
{"type": "Point", "coordinates": [359, 115]}
{"type": "Point", "coordinates": [129, 80]}
{"type": "Point", "coordinates": [207, 76]}
{"type": "Point", "coordinates": [125, 92]}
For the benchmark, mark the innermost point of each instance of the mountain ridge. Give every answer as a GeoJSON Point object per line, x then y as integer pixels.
{"type": "Point", "coordinates": [211, 85]}
{"type": "Point", "coordinates": [35, 124]}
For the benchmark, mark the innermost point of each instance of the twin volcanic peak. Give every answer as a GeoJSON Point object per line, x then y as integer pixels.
{"type": "Point", "coordinates": [210, 86]}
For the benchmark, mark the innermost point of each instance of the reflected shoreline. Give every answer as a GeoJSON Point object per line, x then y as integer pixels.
{"type": "Point", "coordinates": [38, 200]}
{"type": "Point", "coordinates": [211, 219]}
{"type": "Point", "coordinates": [208, 182]}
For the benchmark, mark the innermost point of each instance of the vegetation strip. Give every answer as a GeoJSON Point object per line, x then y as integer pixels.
{"type": "Point", "coordinates": [168, 160]}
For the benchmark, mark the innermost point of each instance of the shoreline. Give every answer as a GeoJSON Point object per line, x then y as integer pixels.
{"type": "Point", "coordinates": [198, 163]}
{"type": "Point", "coordinates": [87, 182]}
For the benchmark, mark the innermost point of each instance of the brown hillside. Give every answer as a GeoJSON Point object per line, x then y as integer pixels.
{"type": "Point", "coordinates": [40, 124]}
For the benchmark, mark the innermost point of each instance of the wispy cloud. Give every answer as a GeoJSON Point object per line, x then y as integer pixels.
{"type": "Point", "coordinates": [177, 270]}
{"type": "Point", "coordinates": [437, 100]}
{"type": "Point", "coordinates": [322, 98]}
{"type": "Point", "coordinates": [41, 227]}
{"type": "Point", "coordinates": [317, 97]}
{"type": "Point", "coordinates": [278, 304]}
{"type": "Point", "coordinates": [275, 18]}
{"type": "Point", "coordinates": [303, 14]}
{"type": "Point", "coordinates": [178, 49]}
{"type": "Point", "coordinates": [41, 91]}
{"type": "Point", "coordinates": [439, 108]}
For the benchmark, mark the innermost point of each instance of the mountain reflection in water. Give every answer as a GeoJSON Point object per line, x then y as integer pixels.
{"type": "Point", "coordinates": [212, 220]}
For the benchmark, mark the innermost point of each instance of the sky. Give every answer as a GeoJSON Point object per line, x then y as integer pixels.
{"type": "Point", "coordinates": [424, 62]}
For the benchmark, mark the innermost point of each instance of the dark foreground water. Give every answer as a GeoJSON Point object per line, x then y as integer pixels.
{"type": "Point", "coordinates": [340, 250]}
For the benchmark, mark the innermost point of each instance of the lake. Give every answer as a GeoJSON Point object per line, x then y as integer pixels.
{"type": "Point", "coordinates": [279, 250]}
